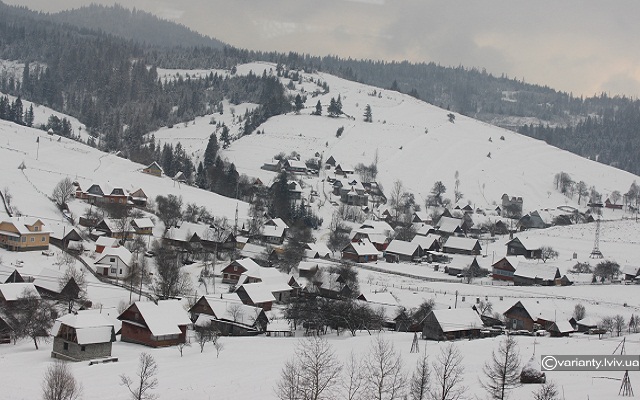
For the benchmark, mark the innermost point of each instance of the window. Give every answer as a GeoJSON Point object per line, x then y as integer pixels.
{"type": "Point", "coordinates": [35, 228]}
{"type": "Point", "coordinates": [66, 346]}
{"type": "Point", "coordinates": [120, 271]}
{"type": "Point", "coordinates": [24, 240]}
{"type": "Point", "coordinates": [112, 259]}
{"type": "Point", "coordinates": [83, 348]}
{"type": "Point", "coordinates": [235, 268]}
{"type": "Point", "coordinates": [113, 270]}
{"type": "Point", "coordinates": [33, 239]}
{"type": "Point", "coordinates": [44, 239]}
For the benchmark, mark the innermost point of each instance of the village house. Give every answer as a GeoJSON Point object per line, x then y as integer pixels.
{"type": "Point", "coordinates": [10, 275]}
{"type": "Point", "coordinates": [526, 315]}
{"type": "Point", "coordinates": [448, 226]}
{"type": "Point", "coordinates": [379, 240]}
{"type": "Point", "coordinates": [142, 226]}
{"type": "Point", "coordinates": [351, 192]}
{"type": "Point", "coordinates": [560, 328]}
{"type": "Point", "coordinates": [230, 318]}
{"type": "Point", "coordinates": [425, 230]}
{"type": "Point", "coordinates": [585, 324]}
{"type": "Point", "coordinates": [530, 274]}
{"type": "Point", "coordinates": [48, 283]}
{"type": "Point", "coordinates": [23, 234]}
{"type": "Point", "coordinates": [274, 231]}
{"type": "Point", "coordinates": [114, 228]}
{"type": "Point", "coordinates": [529, 248]}
{"type": "Point", "coordinates": [451, 324]}
{"type": "Point", "coordinates": [331, 162]}
{"type": "Point", "coordinates": [630, 272]}
{"type": "Point", "coordinates": [611, 205]}
{"type": "Point", "coordinates": [317, 250]}
{"type": "Point", "coordinates": [153, 169]}
{"type": "Point", "coordinates": [194, 237]}
{"type": "Point", "coordinates": [155, 325]}
{"type": "Point", "coordinates": [114, 262]}
{"type": "Point", "coordinates": [65, 237]}
{"type": "Point", "coordinates": [361, 252]}
{"type": "Point", "coordinates": [535, 220]}
{"type": "Point", "coordinates": [462, 245]}
{"type": "Point", "coordinates": [399, 250]}
{"type": "Point", "coordinates": [82, 336]}
{"type": "Point", "coordinates": [105, 242]}
{"type": "Point", "coordinates": [342, 170]}
{"type": "Point", "coordinates": [512, 205]}
{"type": "Point", "coordinates": [421, 217]}
{"type": "Point", "coordinates": [232, 272]}
{"type": "Point", "coordinates": [138, 198]}
{"type": "Point", "coordinates": [294, 166]}
{"type": "Point", "coordinates": [427, 243]}
{"type": "Point", "coordinates": [257, 295]}
{"type": "Point", "coordinates": [307, 269]}
{"type": "Point", "coordinates": [504, 268]}
{"type": "Point", "coordinates": [330, 285]}
{"type": "Point", "coordinates": [10, 293]}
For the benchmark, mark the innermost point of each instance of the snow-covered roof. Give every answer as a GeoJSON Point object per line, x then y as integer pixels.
{"type": "Point", "coordinates": [273, 231]}
{"type": "Point", "coordinates": [528, 243]}
{"type": "Point", "coordinates": [107, 241]}
{"type": "Point", "coordinates": [143, 223]}
{"type": "Point", "coordinates": [90, 327]}
{"type": "Point", "coordinates": [233, 310]}
{"type": "Point", "coordinates": [424, 230]}
{"type": "Point", "coordinates": [425, 241]}
{"type": "Point", "coordinates": [402, 247]}
{"type": "Point", "coordinates": [186, 230]}
{"type": "Point", "coordinates": [320, 249]}
{"type": "Point", "coordinates": [588, 321]}
{"type": "Point", "coordinates": [422, 215]}
{"type": "Point", "coordinates": [20, 223]}
{"type": "Point", "coordinates": [252, 268]}
{"type": "Point", "coordinates": [297, 164]}
{"type": "Point", "coordinates": [307, 265]}
{"type": "Point", "coordinates": [536, 311]}
{"type": "Point", "coordinates": [13, 291]}
{"type": "Point", "coordinates": [462, 243]}
{"type": "Point", "coordinates": [163, 318]}
{"type": "Point", "coordinates": [457, 319]}
{"type": "Point", "coordinates": [364, 248]}
{"type": "Point", "coordinates": [630, 269]}
{"type": "Point", "coordinates": [532, 270]}
{"type": "Point", "coordinates": [447, 224]}
{"type": "Point", "coordinates": [5, 272]}
{"type": "Point", "coordinates": [380, 298]}
{"type": "Point", "coordinates": [258, 292]}
{"type": "Point", "coordinates": [49, 279]}
{"type": "Point", "coordinates": [378, 226]}
{"type": "Point", "coordinates": [121, 252]}
{"type": "Point", "coordinates": [563, 326]}
{"type": "Point", "coordinates": [59, 230]}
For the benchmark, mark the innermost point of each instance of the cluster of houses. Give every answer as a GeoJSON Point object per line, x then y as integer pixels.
{"type": "Point", "coordinates": [102, 194]}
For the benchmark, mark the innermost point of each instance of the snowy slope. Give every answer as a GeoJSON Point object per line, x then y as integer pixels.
{"type": "Point", "coordinates": [55, 158]}
{"type": "Point", "coordinates": [517, 165]}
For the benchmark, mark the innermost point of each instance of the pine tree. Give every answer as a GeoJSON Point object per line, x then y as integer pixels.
{"type": "Point", "coordinates": [298, 104]}
{"type": "Point", "coordinates": [29, 117]}
{"type": "Point", "coordinates": [318, 108]}
{"type": "Point", "coordinates": [368, 117]}
{"type": "Point", "coordinates": [211, 152]}
{"type": "Point", "coordinates": [224, 137]}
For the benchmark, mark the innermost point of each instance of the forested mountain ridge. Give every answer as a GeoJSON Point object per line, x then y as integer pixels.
{"type": "Point", "coordinates": [136, 25]}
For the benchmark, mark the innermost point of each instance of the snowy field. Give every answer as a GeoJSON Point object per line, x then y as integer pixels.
{"type": "Point", "coordinates": [248, 368]}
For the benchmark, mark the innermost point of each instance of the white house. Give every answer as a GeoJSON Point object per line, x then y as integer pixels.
{"type": "Point", "coordinates": [114, 262]}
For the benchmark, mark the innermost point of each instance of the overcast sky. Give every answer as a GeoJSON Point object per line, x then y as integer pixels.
{"type": "Point", "coordinates": [580, 46]}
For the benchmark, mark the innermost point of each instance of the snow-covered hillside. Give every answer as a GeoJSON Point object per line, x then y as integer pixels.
{"type": "Point", "coordinates": [55, 158]}
{"type": "Point", "coordinates": [415, 143]}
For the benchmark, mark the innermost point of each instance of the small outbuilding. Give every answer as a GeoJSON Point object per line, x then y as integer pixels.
{"type": "Point", "coordinates": [82, 336]}
{"type": "Point", "coordinates": [450, 324]}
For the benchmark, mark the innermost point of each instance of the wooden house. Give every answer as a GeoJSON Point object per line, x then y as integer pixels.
{"type": "Point", "coordinates": [232, 272]}
{"type": "Point", "coordinates": [399, 250]}
{"type": "Point", "coordinates": [533, 220]}
{"type": "Point", "coordinates": [294, 166]}
{"type": "Point", "coordinates": [6, 328]}
{"type": "Point", "coordinates": [462, 245]}
{"type": "Point", "coordinates": [23, 234]}
{"type": "Point", "coordinates": [630, 272]}
{"type": "Point", "coordinates": [361, 252]}
{"type": "Point", "coordinates": [330, 161]}
{"type": "Point", "coordinates": [138, 198]}
{"type": "Point", "coordinates": [10, 275]}
{"type": "Point", "coordinates": [451, 324]}
{"type": "Point", "coordinates": [421, 217]}
{"type": "Point", "coordinates": [48, 283]}
{"type": "Point", "coordinates": [585, 324]}
{"type": "Point", "coordinates": [342, 170]}
{"type": "Point", "coordinates": [65, 237]}
{"type": "Point", "coordinates": [82, 336]}
{"type": "Point", "coordinates": [317, 250]}
{"type": "Point", "coordinates": [11, 293]}
{"type": "Point", "coordinates": [526, 315]}
{"type": "Point", "coordinates": [257, 295]}
{"type": "Point", "coordinates": [231, 318]}
{"type": "Point", "coordinates": [503, 269]}
{"type": "Point", "coordinates": [609, 204]}
{"type": "Point", "coordinates": [155, 325]}
{"type": "Point", "coordinates": [530, 274]}
{"type": "Point", "coordinates": [105, 242]}
{"type": "Point", "coordinates": [114, 228]}
{"type": "Point", "coordinates": [307, 269]}
{"type": "Point", "coordinates": [529, 248]}
{"type": "Point", "coordinates": [153, 169]}
{"type": "Point", "coordinates": [560, 328]}
{"type": "Point", "coordinates": [427, 243]}
{"type": "Point", "coordinates": [142, 226]}
{"type": "Point", "coordinates": [448, 226]}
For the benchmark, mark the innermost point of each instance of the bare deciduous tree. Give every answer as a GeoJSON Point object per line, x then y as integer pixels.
{"type": "Point", "coordinates": [447, 374]}
{"type": "Point", "coordinates": [219, 346]}
{"type": "Point", "coordinates": [59, 383]}
{"type": "Point", "coordinates": [579, 312]}
{"type": "Point", "coordinates": [313, 374]}
{"type": "Point", "coordinates": [419, 383]}
{"type": "Point", "coordinates": [32, 318]}
{"type": "Point", "coordinates": [384, 378]}
{"type": "Point", "coordinates": [181, 346]}
{"type": "Point", "coordinates": [353, 379]}
{"type": "Point", "coordinates": [503, 370]}
{"type": "Point", "coordinates": [547, 253]}
{"type": "Point", "coordinates": [63, 191]}
{"type": "Point", "coordinates": [619, 324]}
{"type": "Point", "coordinates": [548, 391]}
{"type": "Point", "coordinates": [146, 379]}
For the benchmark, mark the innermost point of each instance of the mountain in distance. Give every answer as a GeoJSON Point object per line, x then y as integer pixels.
{"type": "Point", "coordinates": [136, 25]}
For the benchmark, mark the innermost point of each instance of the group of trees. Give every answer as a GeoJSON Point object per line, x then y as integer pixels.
{"type": "Point", "coordinates": [14, 111]}
{"type": "Point", "coordinates": [315, 372]}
